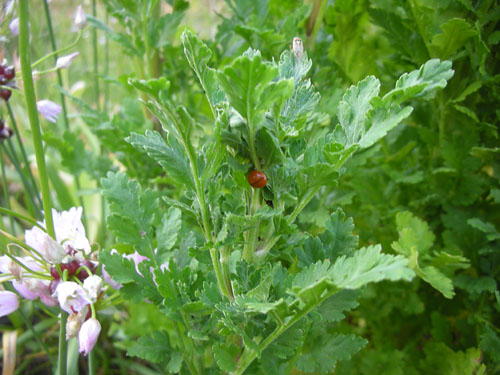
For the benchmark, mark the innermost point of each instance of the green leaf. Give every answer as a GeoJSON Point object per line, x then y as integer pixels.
{"type": "Point", "coordinates": [439, 359]}
{"type": "Point", "coordinates": [354, 107]}
{"type": "Point", "coordinates": [175, 363]}
{"type": "Point", "coordinates": [154, 348]}
{"type": "Point", "coordinates": [168, 153]}
{"type": "Point", "coordinates": [383, 119]}
{"type": "Point", "coordinates": [316, 282]}
{"type": "Point", "coordinates": [491, 232]}
{"type": "Point", "coordinates": [490, 343]}
{"type": "Point", "coordinates": [337, 237]}
{"type": "Point", "coordinates": [286, 344]}
{"type": "Point", "coordinates": [456, 32]}
{"type": "Point", "coordinates": [169, 229]}
{"type": "Point", "coordinates": [413, 232]}
{"type": "Point", "coordinates": [250, 89]}
{"type": "Point", "coordinates": [369, 265]}
{"type": "Point", "coordinates": [424, 82]}
{"type": "Point", "coordinates": [132, 211]}
{"type": "Point", "coordinates": [437, 279]}
{"type": "Point", "coordinates": [198, 56]}
{"type": "Point", "coordinates": [327, 350]}
{"type": "Point", "coordinates": [225, 356]}
{"type": "Point", "coordinates": [333, 309]}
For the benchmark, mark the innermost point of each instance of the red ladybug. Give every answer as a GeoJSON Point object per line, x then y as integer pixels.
{"type": "Point", "coordinates": [257, 179]}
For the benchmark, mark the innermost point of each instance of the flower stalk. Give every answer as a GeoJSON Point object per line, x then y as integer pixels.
{"type": "Point", "coordinates": [29, 93]}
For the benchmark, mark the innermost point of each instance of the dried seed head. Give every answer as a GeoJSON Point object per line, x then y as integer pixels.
{"type": "Point", "coordinates": [298, 48]}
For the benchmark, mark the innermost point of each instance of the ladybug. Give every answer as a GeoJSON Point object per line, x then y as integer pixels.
{"type": "Point", "coordinates": [257, 179]}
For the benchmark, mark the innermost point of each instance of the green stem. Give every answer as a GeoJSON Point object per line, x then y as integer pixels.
{"type": "Point", "coordinates": [251, 236]}
{"type": "Point", "coordinates": [56, 52]}
{"type": "Point", "coordinates": [314, 21]}
{"type": "Point", "coordinates": [91, 361]}
{"type": "Point", "coordinates": [291, 218]}
{"type": "Point", "coordinates": [302, 204]}
{"type": "Point", "coordinates": [200, 194]}
{"type": "Point", "coordinates": [6, 193]}
{"type": "Point", "coordinates": [42, 345]}
{"type": "Point", "coordinates": [28, 219]}
{"type": "Point", "coordinates": [63, 345]}
{"type": "Point", "coordinates": [63, 98]}
{"type": "Point", "coordinates": [249, 355]}
{"type": "Point", "coordinates": [29, 93]}
{"type": "Point", "coordinates": [23, 151]}
{"type": "Point", "coordinates": [106, 67]}
{"type": "Point", "coordinates": [96, 60]}
{"type": "Point", "coordinates": [30, 194]}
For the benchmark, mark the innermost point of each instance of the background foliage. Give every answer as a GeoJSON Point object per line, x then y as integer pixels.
{"type": "Point", "coordinates": [428, 192]}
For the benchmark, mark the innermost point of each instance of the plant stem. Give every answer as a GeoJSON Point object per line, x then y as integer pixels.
{"type": "Point", "coordinates": [225, 289]}
{"type": "Point", "coordinates": [91, 361]}
{"type": "Point", "coordinates": [28, 190]}
{"type": "Point", "coordinates": [251, 236]}
{"type": "Point", "coordinates": [106, 67]}
{"type": "Point", "coordinates": [54, 51]}
{"type": "Point", "coordinates": [63, 98]}
{"type": "Point", "coordinates": [42, 345]}
{"type": "Point", "coordinates": [29, 94]}
{"type": "Point", "coordinates": [96, 60]}
{"type": "Point", "coordinates": [249, 355]}
{"type": "Point", "coordinates": [314, 21]}
{"type": "Point", "coordinates": [23, 151]}
{"type": "Point", "coordinates": [6, 193]}
{"type": "Point", "coordinates": [63, 345]}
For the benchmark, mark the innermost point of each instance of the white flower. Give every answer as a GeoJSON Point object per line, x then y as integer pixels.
{"type": "Point", "coordinates": [51, 251]}
{"type": "Point", "coordinates": [79, 19]}
{"type": "Point", "coordinates": [65, 61]}
{"type": "Point", "coordinates": [70, 230]}
{"type": "Point", "coordinates": [88, 335]}
{"type": "Point", "coordinates": [71, 296]}
{"type": "Point", "coordinates": [92, 286]}
{"type": "Point", "coordinates": [14, 26]}
{"type": "Point", "coordinates": [49, 110]}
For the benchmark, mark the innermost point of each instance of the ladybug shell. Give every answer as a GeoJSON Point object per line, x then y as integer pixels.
{"type": "Point", "coordinates": [257, 179]}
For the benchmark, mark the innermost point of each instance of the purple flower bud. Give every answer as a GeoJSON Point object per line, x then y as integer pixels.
{"type": "Point", "coordinates": [14, 26]}
{"type": "Point", "coordinates": [8, 302]}
{"type": "Point", "coordinates": [49, 110]}
{"type": "Point", "coordinates": [65, 61]}
{"type": "Point", "coordinates": [89, 332]}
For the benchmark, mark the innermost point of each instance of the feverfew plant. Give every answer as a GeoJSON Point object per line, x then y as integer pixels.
{"type": "Point", "coordinates": [244, 285]}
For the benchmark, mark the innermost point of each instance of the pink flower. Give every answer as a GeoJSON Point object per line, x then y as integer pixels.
{"type": "Point", "coordinates": [137, 258]}
{"type": "Point", "coordinates": [8, 302]}
{"type": "Point", "coordinates": [40, 241]}
{"type": "Point", "coordinates": [14, 26]}
{"type": "Point", "coordinates": [89, 332]}
{"type": "Point", "coordinates": [49, 110]}
{"type": "Point", "coordinates": [65, 61]}
{"type": "Point", "coordinates": [72, 297]}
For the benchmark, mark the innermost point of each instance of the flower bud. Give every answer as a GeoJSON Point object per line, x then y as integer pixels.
{"type": "Point", "coordinates": [65, 61]}
{"type": "Point", "coordinates": [79, 19]}
{"type": "Point", "coordinates": [89, 332]}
